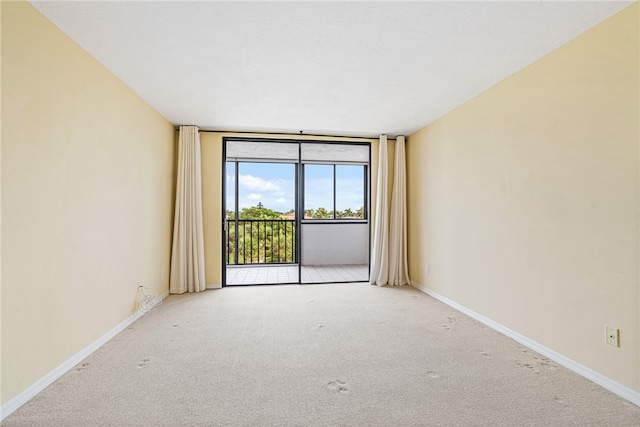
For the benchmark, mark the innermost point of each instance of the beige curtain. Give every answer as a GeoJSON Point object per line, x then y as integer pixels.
{"type": "Point", "coordinates": [380, 255]}
{"type": "Point", "coordinates": [398, 264]}
{"type": "Point", "coordinates": [187, 253]}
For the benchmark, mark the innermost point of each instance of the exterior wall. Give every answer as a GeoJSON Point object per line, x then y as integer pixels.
{"type": "Point", "coordinates": [87, 202]}
{"type": "Point", "coordinates": [524, 201]}
{"type": "Point", "coordinates": [324, 244]}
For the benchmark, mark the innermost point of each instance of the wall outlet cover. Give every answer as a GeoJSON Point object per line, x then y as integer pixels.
{"type": "Point", "coordinates": [613, 336]}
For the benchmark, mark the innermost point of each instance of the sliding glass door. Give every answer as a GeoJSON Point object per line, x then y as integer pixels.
{"type": "Point", "coordinates": [334, 231]}
{"type": "Point", "coordinates": [295, 212]}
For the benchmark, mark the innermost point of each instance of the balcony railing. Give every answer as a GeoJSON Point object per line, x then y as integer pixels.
{"type": "Point", "coordinates": [261, 241]}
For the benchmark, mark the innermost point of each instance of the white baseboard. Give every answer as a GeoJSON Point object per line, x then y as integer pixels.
{"type": "Point", "coordinates": [614, 387]}
{"type": "Point", "coordinates": [214, 286]}
{"type": "Point", "coordinates": [12, 405]}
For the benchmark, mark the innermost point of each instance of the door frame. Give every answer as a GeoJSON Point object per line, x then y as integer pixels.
{"type": "Point", "coordinates": [299, 193]}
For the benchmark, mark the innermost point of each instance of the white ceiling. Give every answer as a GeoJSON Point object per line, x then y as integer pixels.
{"type": "Point", "coordinates": [350, 68]}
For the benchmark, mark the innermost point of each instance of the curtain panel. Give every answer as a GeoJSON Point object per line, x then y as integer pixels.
{"type": "Point", "coordinates": [398, 263]}
{"type": "Point", "coordinates": [389, 259]}
{"type": "Point", "coordinates": [187, 252]}
{"type": "Point", "coordinates": [380, 254]}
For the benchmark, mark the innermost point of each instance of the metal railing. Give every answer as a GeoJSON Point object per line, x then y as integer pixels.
{"type": "Point", "coordinates": [261, 241]}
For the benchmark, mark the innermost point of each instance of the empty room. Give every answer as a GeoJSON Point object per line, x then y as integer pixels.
{"type": "Point", "coordinates": [320, 213]}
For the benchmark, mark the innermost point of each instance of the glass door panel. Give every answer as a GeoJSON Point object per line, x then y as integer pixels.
{"type": "Point", "coordinates": [261, 228]}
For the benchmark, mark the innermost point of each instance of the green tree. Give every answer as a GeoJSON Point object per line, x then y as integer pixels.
{"type": "Point", "coordinates": [347, 213]}
{"type": "Point", "coordinates": [255, 212]}
{"type": "Point", "coordinates": [263, 237]}
{"type": "Point", "coordinates": [322, 213]}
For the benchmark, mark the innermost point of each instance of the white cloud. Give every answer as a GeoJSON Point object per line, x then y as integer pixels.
{"type": "Point", "coordinates": [254, 196]}
{"type": "Point", "coordinates": [281, 200]}
{"type": "Point", "coordinates": [256, 183]}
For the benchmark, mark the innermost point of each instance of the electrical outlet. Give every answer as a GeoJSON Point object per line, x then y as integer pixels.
{"type": "Point", "coordinates": [613, 336]}
{"type": "Point", "coordinates": [426, 269]}
{"type": "Point", "coordinates": [161, 274]}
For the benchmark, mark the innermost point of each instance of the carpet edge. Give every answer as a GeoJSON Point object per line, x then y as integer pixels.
{"type": "Point", "coordinates": [30, 392]}
{"type": "Point", "coordinates": [603, 381]}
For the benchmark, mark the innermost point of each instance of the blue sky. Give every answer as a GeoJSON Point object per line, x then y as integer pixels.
{"type": "Point", "coordinates": [273, 184]}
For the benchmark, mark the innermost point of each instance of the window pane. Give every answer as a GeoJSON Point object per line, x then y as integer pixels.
{"type": "Point", "coordinates": [265, 190]}
{"type": "Point", "coordinates": [332, 152]}
{"type": "Point", "coordinates": [350, 186]}
{"type": "Point", "coordinates": [318, 191]}
{"type": "Point", "coordinates": [262, 150]}
{"type": "Point", "coordinates": [230, 194]}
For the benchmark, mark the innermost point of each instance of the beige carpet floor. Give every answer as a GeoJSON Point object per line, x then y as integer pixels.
{"type": "Point", "coordinates": [318, 355]}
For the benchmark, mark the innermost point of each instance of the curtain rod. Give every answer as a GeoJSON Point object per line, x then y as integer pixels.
{"type": "Point", "coordinates": [290, 134]}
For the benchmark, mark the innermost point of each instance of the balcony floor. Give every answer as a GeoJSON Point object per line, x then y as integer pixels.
{"type": "Point", "coordinates": [273, 274]}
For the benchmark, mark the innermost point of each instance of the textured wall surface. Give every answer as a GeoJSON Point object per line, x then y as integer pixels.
{"type": "Point", "coordinates": [87, 180]}
{"type": "Point", "coordinates": [524, 201]}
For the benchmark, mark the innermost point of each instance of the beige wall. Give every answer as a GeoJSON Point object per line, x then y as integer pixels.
{"type": "Point", "coordinates": [524, 201]}
{"type": "Point", "coordinates": [87, 172]}
{"type": "Point", "coordinates": [211, 143]}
